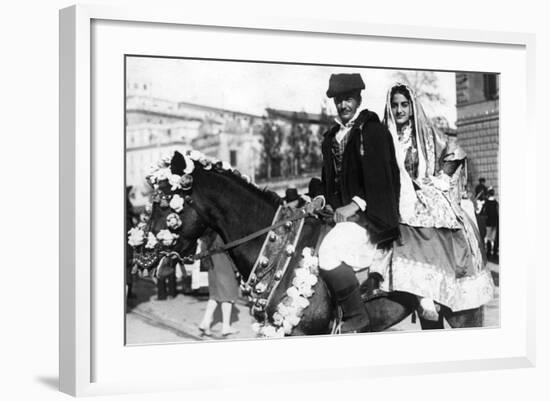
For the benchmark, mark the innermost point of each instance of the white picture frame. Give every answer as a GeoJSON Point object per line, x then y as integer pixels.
{"type": "Point", "coordinates": [92, 363]}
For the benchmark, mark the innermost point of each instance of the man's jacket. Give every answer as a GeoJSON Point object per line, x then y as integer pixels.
{"type": "Point", "coordinates": [369, 170]}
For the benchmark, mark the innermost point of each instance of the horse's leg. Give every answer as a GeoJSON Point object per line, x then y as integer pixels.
{"type": "Point", "coordinates": [318, 315]}
{"type": "Point", "coordinates": [465, 318]}
{"type": "Point", "coordinates": [172, 285]}
{"type": "Point", "coordinates": [161, 289]}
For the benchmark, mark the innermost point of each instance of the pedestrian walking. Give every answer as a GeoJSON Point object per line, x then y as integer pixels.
{"type": "Point", "coordinates": [222, 285]}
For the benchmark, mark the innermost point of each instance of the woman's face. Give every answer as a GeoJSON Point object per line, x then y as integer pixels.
{"type": "Point", "coordinates": [401, 108]}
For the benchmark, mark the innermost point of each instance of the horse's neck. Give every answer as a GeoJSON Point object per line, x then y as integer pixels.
{"type": "Point", "coordinates": [236, 212]}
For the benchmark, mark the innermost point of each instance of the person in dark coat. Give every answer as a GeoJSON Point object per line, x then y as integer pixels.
{"type": "Point", "coordinates": [490, 210]}
{"type": "Point", "coordinates": [481, 190]}
{"type": "Point", "coordinates": [360, 181]}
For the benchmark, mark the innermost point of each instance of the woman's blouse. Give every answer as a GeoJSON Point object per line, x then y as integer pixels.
{"type": "Point", "coordinates": [407, 139]}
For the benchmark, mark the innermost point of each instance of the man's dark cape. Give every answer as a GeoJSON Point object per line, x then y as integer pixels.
{"type": "Point", "coordinates": [370, 171]}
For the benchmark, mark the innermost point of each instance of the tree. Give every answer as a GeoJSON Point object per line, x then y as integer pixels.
{"type": "Point", "coordinates": [272, 138]}
{"type": "Point", "coordinates": [424, 84]}
{"type": "Point", "coordinates": [298, 141]}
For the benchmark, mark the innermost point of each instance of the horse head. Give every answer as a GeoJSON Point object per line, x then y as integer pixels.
{"type": "Point", "coordinates": [193, 192]}
{"type": "Point", "coordinates": [172, 226]}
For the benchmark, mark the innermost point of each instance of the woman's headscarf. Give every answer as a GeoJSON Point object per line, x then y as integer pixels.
{"type": "Point", "coordinates": [429, 139]}
{"type": "Point", "coordinates": [430, 143]}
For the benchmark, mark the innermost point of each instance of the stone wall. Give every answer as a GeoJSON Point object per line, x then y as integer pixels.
{"type": "Point", "coordinates": [478, 128]}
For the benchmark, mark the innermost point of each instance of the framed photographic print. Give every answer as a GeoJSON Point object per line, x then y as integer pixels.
{"type": "Point", "coordinates": [258, 190]}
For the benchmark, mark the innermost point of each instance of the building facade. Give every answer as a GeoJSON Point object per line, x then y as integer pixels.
{"type": "Point", "coordinates": [477, 102]}
{"type": "Point", "coordinates": [155, 128]}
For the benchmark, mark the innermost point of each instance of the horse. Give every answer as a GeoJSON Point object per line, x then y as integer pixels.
{"type": "Point", "coordinates": [223, 200]}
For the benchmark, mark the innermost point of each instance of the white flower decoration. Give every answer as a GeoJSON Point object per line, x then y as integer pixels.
{"type": "Point", "coordinates": [151, 241]}
{"type": "Point", "coordinates": [312, 280]}
{"type": "Point", "coordinates": [164, 162]}
{"type": "Point", "coordinates": [175, 181]}
{"type": "Point", "coordinates": [226, 166]}
{"type": "Point", "coordinates": [173, 221]}
{"type": "Point", "coordinates": [287, 327]}
{"type": "Point", "coordinates": [195, 155]}
{"type": "Point", "coordinates": [294, 320]}
{"type": "Point", "coordinates": [278, 319]}
{"type": "Point", "coordinates": [162, 174]}
{"type": "Point", "coordinates": [166, 237]}
{"type": "Point", "coordinates": [305, 290]}
{"type": "Point", "coordinates": [280, 333]}
{"type": "Point", "coordinates": [189, 165]}
{"type": "Point", "coordinates": [292, 292]}
{"type": "Point", "coordinates": [176, 203]}
{"type": "Point", "coordinates": [269, 331]}
{"type": "Point", "coordinates": [301, 302]}
{"type": "Point", "coordinates": [283, 310]}
{"type": "Point", "coordinates": [136, 237]}
{"type": "Point", "coordinates": [307, 252]}
{"type": "Point", "coordinates": [291, 308]}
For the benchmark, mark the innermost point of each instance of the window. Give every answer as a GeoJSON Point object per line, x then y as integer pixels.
{"type": "Point", "coordinates": [490, 86]}
{"type": "Point", "coordinates": [233, 158]}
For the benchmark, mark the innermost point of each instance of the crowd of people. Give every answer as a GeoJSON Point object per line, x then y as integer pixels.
{"type": "Point", "coordinates": [394, 191]}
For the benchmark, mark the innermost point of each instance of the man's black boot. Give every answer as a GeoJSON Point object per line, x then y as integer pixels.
{"type": "Point", "coordinates": [345, 288]}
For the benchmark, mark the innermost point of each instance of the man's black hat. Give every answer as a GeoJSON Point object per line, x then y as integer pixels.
{"type": "Point", "coordinates": [315, 187]}
{"type": "Point", "coordinates": [291, 194]}
{"type": "Point", "coordinates": [343, 83]}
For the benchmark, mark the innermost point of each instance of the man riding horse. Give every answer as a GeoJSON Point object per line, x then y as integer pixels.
{"type": "Point", "coordinates": [361, 186]}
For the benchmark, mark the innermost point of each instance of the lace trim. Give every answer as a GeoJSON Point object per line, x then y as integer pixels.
{"type": "Point", "coordinates": [428, 281]}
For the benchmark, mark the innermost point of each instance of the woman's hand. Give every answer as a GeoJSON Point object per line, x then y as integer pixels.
{"type": "Point", "coordinates": [344, 213]}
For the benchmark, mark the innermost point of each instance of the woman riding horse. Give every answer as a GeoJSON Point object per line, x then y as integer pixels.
{"type": "Point", "coordinates": [439, 254]}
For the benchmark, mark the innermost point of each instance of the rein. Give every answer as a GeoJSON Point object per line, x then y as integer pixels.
{"type": "Point", "coordinates": [309, 210]}
{"type": "Point", "coordinates": [243, 240]}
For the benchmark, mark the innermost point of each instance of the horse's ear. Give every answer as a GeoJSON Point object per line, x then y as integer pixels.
{"type": "Point", "coordinates": [177, 165]}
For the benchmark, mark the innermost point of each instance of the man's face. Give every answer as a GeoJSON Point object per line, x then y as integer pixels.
{"type": "Point", "coordinates": [401, 108]}
{"type": "Point", "coordinates": [347, 105]}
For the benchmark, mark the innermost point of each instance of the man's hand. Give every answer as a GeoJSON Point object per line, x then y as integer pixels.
{"type": "Point", "coordinates": [326, 214]}
{"type": "Point", "coordinates": [345, 212]}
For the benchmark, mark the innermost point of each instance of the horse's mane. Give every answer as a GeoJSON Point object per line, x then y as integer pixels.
{"type": "Point", "coordinates": [236, 177]}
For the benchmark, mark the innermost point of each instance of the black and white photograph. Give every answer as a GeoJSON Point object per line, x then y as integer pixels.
{"type": "Point", "coordinates": [266, 200]}
{"type": "Point", "coordinates": [310, 200]}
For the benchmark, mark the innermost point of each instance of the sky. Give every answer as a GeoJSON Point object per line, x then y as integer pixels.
{"type": "Point", "coordinates": [253, 87]}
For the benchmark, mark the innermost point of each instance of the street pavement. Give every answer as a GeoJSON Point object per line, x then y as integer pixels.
{"type": "Point", "coordinates": [175, 320]}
